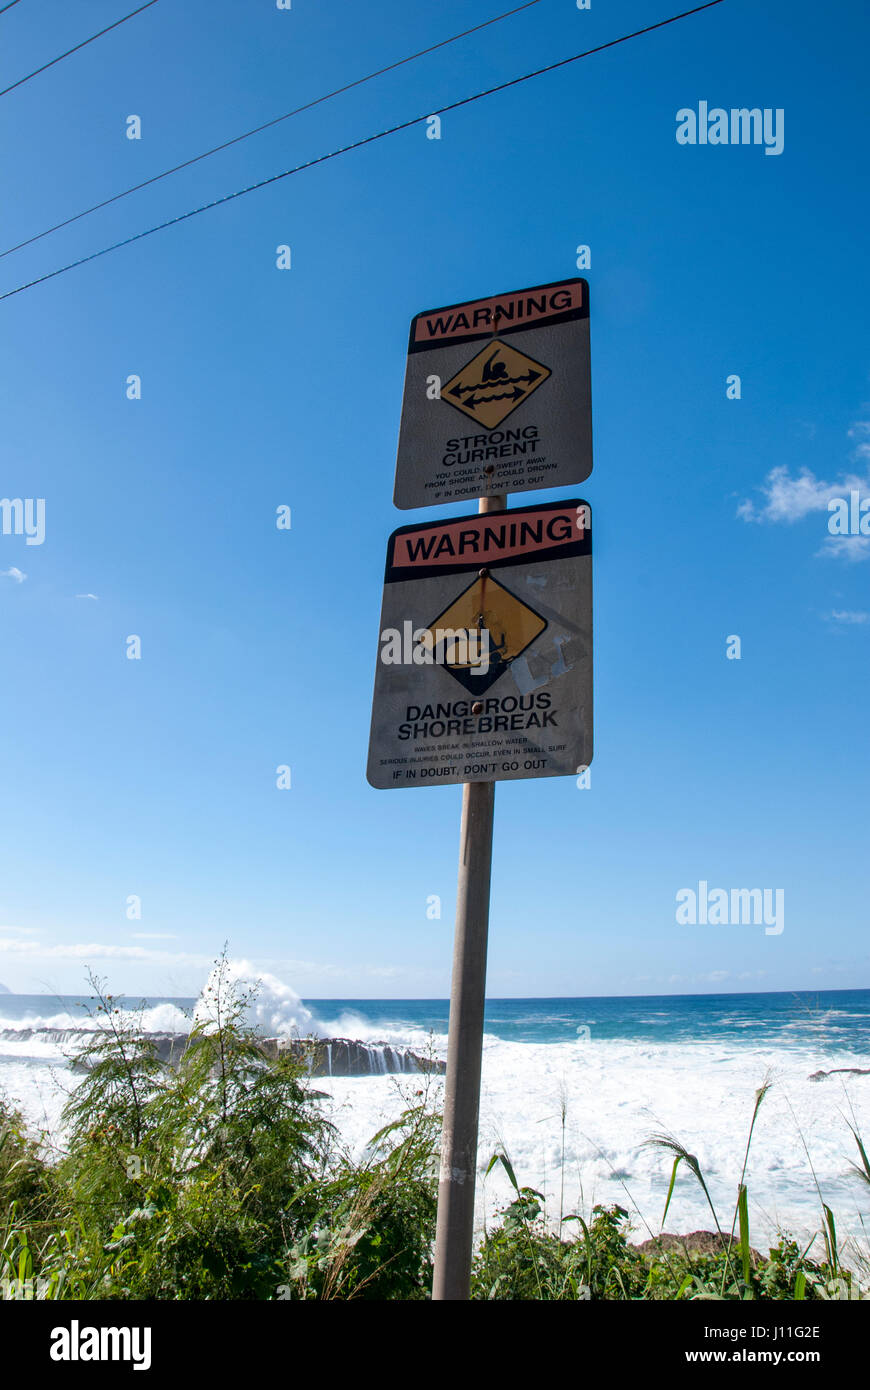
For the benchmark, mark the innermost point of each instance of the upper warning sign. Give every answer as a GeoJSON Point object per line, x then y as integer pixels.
{"type": "Point", "coordinates": [514, 365]}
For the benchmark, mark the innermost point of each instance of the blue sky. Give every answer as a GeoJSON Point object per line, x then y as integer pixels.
{"type": "Point", "coordinates": [263, 387]}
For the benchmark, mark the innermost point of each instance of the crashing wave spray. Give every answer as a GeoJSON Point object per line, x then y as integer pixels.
{"type": "Point", "coordinates": [274, 1010]}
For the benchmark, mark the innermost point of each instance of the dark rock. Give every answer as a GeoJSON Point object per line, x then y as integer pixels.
{"type": "Point", "coordinates": [852, 1071]}
{"type": "Point", "coordinates": [320, 1056]}
{"type": "Point", "coordinates": [695, 1243]}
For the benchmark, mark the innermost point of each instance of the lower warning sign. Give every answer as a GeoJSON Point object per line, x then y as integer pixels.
{"type": "Point", "coordinates": [484, 668]}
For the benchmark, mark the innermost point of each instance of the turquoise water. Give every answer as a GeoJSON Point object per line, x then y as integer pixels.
{"type": "Point", "coordinates": [834, 1019]}
{"type": "Point", "coordinates": [829, 1019]}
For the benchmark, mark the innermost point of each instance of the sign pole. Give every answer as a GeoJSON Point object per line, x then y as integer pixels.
{"type": "Point", "coordinates": [455, 1226]}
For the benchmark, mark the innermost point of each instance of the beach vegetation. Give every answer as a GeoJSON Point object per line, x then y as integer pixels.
{"type": "Point", "coordinates": [219, 1175]}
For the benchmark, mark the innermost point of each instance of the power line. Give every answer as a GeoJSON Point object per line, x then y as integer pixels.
{"type": "Point", "coordinates": [268, 124]}
{"type": "Point", "coordinates": [83, 44]}
{"type": "Point", "coordinates": [9, 6]}
{"type": "Point", "coordinates": [358, 144]}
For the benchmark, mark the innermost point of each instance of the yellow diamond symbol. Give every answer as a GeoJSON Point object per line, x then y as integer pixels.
{"type": "Point", "coordinates": [504, 627]}
{"type": "Point", "coordinates": [494, 383]}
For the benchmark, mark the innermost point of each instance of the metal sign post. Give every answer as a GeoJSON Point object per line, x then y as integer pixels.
{"type": "Point", "coordinates": [455, 1227]}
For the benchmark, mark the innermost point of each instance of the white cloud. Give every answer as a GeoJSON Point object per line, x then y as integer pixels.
{"type": "Point", "coordinates": [849, 548]}
{"type": "Point", "coordinates": [845, 615]}
{"type": "Point", "coordinates": [98, 950]}
{"type": "Point", "coordinates": [351, 971]}
{"type": "Point", "coordinates": [93, 596]}
{"type": "Point", "coordinates": [788, 498]}
{"type": "Point", "coordinates": [15, 574]}
{"type": "Point", "coordinates": [154, 936]}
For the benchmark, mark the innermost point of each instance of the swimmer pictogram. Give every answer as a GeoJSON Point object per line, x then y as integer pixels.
{"type": "Point", "coordinates": [494, 383]}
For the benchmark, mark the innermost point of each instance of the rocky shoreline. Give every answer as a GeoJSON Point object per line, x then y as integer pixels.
{"type": "Point", "coordinates": [320, 1056]}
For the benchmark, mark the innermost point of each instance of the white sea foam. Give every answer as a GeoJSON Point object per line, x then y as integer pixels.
{"type": "Point", "coordinates": [350, 1025]}
{"type": "Point", "coordinates": [158, 1018]}
{"type": "Point", "coordinates": [275, 1009]}
{"type": "Point", "coordinates": [618, 1094]}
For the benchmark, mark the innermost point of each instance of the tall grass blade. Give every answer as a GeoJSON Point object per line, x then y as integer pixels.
{"type": "Point", "coordinates": [506, 1164]}
{"type": "Point", "coordinates": [864, 1170]}
{"type": "Point", "coordinates": [664, 1141]}
{"type": "Point", "coordinates": [743, 1217]}
{"type": "Point", "coordinates": [831, 1239]}
{"type": "Point", "coordinates": [677, 1162]}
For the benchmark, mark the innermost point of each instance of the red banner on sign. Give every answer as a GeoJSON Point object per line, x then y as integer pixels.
{"type": "Point", "coordinates": [500, 313]}
{"type": "Point", "coordinates": [488, 538]}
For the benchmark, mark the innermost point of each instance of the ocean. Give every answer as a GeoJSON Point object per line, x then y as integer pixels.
{"type": "Point", "coordinates": [571, 1090]}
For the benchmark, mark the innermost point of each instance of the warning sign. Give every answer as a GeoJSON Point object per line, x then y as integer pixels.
{"type": "Point", "coordinates": [494, 383]}
{"type": "Point", "coordinates": [484, 669]}
{"type": "Point", "coordinates": [497, 397]}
